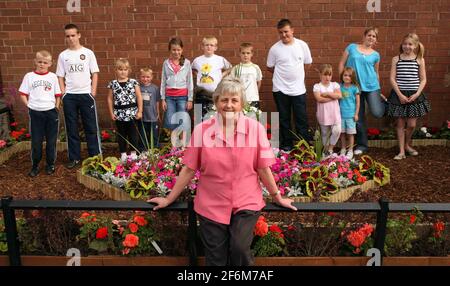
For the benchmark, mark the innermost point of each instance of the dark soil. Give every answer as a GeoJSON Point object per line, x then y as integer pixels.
{"type": "Point", "coordinates": [423, 178]}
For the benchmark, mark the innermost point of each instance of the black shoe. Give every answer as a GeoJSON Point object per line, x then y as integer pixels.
{"type": "Point", "coordinates": [73, 164]}
{"type": "Point", "coordinates": [34, 172]}
{"type": "Point", "coordinates": [286, 148]}
{"type": "Point", "coordinates": [50, 169]}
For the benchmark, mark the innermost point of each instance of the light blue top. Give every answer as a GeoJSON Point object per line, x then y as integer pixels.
{"type": "Point", "coordinates": [347, 103]}
{"type": "Point", "coordinates": [364, 65]}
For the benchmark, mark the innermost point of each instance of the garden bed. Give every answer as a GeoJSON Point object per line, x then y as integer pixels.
{"type": "Point", "coordinates": [259, 261]}
{"type": "Point", "coordinates": [118, 194]}
{"type": "Point", "coordinates": [415, 142]}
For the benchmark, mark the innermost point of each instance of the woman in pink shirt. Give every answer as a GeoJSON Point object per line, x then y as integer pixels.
{"type": "Point", "coordinates": [232, 153]}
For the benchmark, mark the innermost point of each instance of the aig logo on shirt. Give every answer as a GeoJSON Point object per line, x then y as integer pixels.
{"type": "Point", "coordinates": [76, 68]}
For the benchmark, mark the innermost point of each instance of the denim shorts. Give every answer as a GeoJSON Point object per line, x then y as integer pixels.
{"type": "Point", "coordinates": [348, 126]}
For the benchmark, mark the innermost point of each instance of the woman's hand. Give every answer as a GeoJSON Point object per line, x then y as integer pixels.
{"type": "Point", "coordinates": [188, 105]}
{"type": "Point", "coordinates": [284, 202]}
{"type": "Point", "coordinates": [138, 115]}
{"type": "Point", "coordinates": [164, 105]}
{"type": "Point", "coordinates": [113, 117]}
{"type": "Point", "coordinates": [160, 202]}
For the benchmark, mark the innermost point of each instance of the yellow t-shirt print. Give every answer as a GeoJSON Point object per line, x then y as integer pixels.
{"type": "Point", "coordinates": [205, 70]}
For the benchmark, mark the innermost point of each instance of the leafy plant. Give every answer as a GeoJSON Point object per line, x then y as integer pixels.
{"type": "Point", "coordinates": [97, 231]}
{"type": "Point", "coordinates": [401, 234]}
{"type": "Point", "coordinates": [140, 183]}
{"type": "Point", "coordinates": [268, 241]}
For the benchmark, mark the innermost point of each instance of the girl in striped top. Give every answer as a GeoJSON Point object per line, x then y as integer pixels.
{"type": "Point", "coordinates": [407, 101]}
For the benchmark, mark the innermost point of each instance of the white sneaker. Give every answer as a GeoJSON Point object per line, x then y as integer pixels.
{"type": "Point", "coordinates": [358, 152]}
{"type": "Point", "coordinates": [342, 153]}
{"type": "Point", "coordinates": [350, 154]}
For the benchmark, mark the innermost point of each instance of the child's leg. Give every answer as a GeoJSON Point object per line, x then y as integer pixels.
{"type": "Point", "coordinates": [51, 134]}
{"type": "Point", "coordinates": [155, 133]}
{"type": "Point", "coordinates": [37, 130]}
{"type": "Point", "coordinates": [325, 132]}
{"type": "Point", "coordinates": [401, 134]}
{"type": "Point", "coordinates": [169, 117]}
{"type": "Point", "coordinates": [335, 133]}
{"type": "Point", "coordinates": [133, 134]}
{"type": "Point", "coordinates": [343, 143]}
{"type": "Point", "coordinates": [410, 126]}
{"type": "Point", "coordinates": [121, 135]}
{"type": "Point", "coordinates": [351, 141]}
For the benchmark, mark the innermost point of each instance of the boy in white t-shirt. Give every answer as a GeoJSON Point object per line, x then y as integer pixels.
{"type": "Point", "coordinates": [286, 60]}
{"type": "Point", "coordinates": [249, 73]}
{"type": "Point", "coordinates": [208, 69]}
{"type": "Point", "coordinates": [77, 71]}
{"type": "Point", "coordinates": [41, 94]}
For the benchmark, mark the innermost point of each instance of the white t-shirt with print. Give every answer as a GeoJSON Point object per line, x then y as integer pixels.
{"type": "Point", "coordinates": [76, 66]}
{"type": "Point", "coordinates": [289, 61]}
{"type": "Point", "coordinates": [209, 70]}
{"type": "Point", "coordinates": [41, 89]}
{"type": "Point", "coordinates": [249, 74]}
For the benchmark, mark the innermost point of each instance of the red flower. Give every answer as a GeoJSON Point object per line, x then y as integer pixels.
{"type": "Point", "coordinates": [261, 227]}
{"type": "Point", "coordinates": [105, 135]}
{"type": "Point", "coordinates": [412, 219]}
{"type": "Point", "coordinates": [131, 241]}
{"type": "Point", "coordinates": [102, 233]}
{"type": "Point", "coordinates": [438, 227]}
{"type": "Point", "coordinates": [16, 134]}
{"type": "Point", "coordinates": [28, 135]}
{"type": "Point", "coordinates": [269, 136]}
{"type": "Point", "coordinates": [140, 220]}
{"type": "Point", "coordinates": [291, 228]}
{"type": "Point", "coordinates": [331, 214]}
{"type": "Point", "coordinates": [14, 124]}
{"type": "Point", "coordinates": [85, 215]}
{"type": "Point", "coordinates": [373, 131]}
{"type": "Point", "coordinates": [133, 227]}
{"type": "Point", "coordinates": [277, 230]}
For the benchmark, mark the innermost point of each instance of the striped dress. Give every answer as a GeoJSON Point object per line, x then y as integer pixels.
{"type": "Point", "coordinates": [408, 81]}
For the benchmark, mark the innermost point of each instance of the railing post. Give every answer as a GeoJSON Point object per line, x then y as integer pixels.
{"type": "Point", "coordinates": [12, 237]}
{"type": "Point", "coordinates": [380, 231]}
{"type": "Point", "coordinates": [192, 234]}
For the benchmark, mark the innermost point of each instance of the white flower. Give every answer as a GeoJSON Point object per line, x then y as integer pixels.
{"type": "Point", "coordinates": [423, 129]}
{"type": "Point", "coordinates": [428, 135]}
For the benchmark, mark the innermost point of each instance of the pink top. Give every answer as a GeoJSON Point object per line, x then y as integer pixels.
{"type": "Point", "coordinates": [229, 180]}
{"type": "Point", "coordinates": [176, 67]}
{"type": "Point", "coordinates": [328, 113]}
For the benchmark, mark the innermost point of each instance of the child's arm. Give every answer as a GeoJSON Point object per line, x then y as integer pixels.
{"type": "Point", "coordinates": [162, 90]}
{"type": "Point", "coordinates": [356, 117]}
{"type": "Point", "coordinates": [190, 87]}
{"type": "Point", "coordinates": [140, 103]}
{"type": "Point", "coordinates": [58, 102]}
{"type": "Point", "coordinates": [24, 99]}
{"type": "Point", "coordinates": [403, 99]}
{"type": "Point", "coordinates": [423, 81]}
{"type": "Point", "coordinates": [109, 100]}
{"type": "Point", "coordinates": [336, 94]}
{"type": "Point", "coordinates": [321, 98]}
{"type": "Point", "coordinates": [258, 82]}
{"type": "Point", "coordinates": [94, 84]}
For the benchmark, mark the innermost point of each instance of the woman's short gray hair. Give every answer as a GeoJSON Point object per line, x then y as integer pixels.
{"type": "Point", "coordinates": [232, 85]}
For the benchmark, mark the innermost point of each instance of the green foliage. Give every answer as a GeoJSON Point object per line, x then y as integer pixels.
{"type": "Point", "coordinates": [272, 244]}
{"type": "Point", "coordinates": [3, 244]}
{"type": "Point", "coordinates": [401, 233]}
{"type": "Point", "coordinates": [140, 183]}
{"type": "Point", "coordinates": [90, 229]}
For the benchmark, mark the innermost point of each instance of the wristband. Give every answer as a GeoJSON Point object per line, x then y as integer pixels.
{"type": "Point", "coordinates": [276, 193]}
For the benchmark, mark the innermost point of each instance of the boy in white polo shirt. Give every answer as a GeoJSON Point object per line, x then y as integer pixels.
{"type": "Point", "coordinates": [41, 94]}
{"type": "Point", "coordinates": [77, 71]}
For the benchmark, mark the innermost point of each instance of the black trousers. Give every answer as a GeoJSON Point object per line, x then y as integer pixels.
{"type": "Point", "coordinates": [128, 134]}
{"type": "Point", "coordinates": [229, 244]}
{"type": "Point", "coordinates": [43, 124]}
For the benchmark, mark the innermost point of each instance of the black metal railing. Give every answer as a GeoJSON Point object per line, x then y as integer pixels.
{"type": "Point", "coordinates": [382, 208]}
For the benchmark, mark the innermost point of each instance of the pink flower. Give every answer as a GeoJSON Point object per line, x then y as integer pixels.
{"type": "Point", "coordinates": [2, 143]}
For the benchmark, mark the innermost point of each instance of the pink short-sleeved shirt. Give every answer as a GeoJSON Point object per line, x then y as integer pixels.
{"type": "Point", "coordinates": [229, 180]}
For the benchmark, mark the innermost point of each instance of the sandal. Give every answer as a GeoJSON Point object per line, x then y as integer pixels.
{"type": "Point", "coordinates": [412, 152]}
{"type": "Point", "coordinates": [400, 157]}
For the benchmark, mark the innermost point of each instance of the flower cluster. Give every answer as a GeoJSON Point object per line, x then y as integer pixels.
{"type": "Point", "coordinates": [438, 228]}
{"type": "Point", "coordinates": [102, 234]}
{"type": "Point", "coordinates": [108, 135]}
{"type": "Point", "coordinates": [358, 239]}
{"type": "Point", "coordinates": [269, 240]}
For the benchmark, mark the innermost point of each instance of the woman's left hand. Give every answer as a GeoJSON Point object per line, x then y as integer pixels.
{"type": "Point", "coordinates": [188, 105]}
{"type": "Point", "coordinates": [138, 115]}
{"type": "Point", "coordinates": [284, 202]}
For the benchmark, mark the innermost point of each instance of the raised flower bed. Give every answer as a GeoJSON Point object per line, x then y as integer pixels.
{"type": "Point", "coordinates": [301, 175]}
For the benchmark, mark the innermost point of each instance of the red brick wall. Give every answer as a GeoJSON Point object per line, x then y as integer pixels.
{"type": "Point", "coordinates": [140, 29]}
